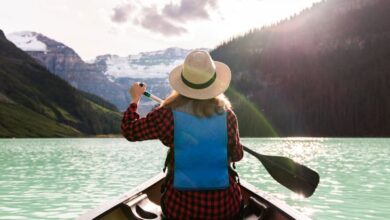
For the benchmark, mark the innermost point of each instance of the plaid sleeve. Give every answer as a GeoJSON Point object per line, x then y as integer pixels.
{"type": "Point", "coordinates": [156, 125]}
{"type": "Point", "coordinates": [235, 146]}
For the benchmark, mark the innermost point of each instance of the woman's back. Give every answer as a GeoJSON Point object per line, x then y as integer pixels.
{"type": "Point", "coordinates": [201, 130]}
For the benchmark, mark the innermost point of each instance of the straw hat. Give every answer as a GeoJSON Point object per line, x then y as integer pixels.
{"type": "Point", "coordinates": [200, 77]}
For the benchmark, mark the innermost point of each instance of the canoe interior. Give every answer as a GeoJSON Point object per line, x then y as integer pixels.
{"type": "Point", "coordinates": [144, 203]}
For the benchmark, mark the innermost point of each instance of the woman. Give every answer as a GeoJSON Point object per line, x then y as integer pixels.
{"type": "Point", "coordinates": [198, 125]}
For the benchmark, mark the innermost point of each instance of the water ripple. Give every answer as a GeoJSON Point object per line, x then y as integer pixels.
{"type": "Point", "coordinates": [62, 178]}
{"type": "Point", "coordinates": [354, 175]}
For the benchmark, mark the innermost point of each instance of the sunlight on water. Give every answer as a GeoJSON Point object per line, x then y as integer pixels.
{"type": "Point", "coordinates": [354, 175]}
{"type": "Point", "coordinates": [63, 178]}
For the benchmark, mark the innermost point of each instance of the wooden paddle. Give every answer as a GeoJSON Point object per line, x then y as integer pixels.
{"type": "Point", "coordinates": [294, 176]}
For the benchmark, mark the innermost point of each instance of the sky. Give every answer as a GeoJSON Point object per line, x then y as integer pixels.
{"type": "Point", "coordinates": [123, 27]}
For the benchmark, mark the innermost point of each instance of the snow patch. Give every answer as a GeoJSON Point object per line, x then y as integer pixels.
{"type": "Point", "coordinates": [155, 64]}
{"type": "Point", "coordinates": [27, 41]}
{"type": "Point", "coordinates": [118, 67]}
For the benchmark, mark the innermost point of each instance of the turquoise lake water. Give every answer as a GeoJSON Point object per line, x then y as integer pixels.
{"type": "Point", "coordinates": [63, 178]}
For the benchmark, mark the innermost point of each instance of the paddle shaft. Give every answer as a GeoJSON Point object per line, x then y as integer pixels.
{"type": "Point", "coordinates": [151, 96]}
{"type": "Point", "coordinates": [155, 98]}
{"type": "Point", "coordinates": [296, 177]}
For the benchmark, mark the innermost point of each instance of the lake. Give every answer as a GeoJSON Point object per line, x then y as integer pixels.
{"type": "Point", "coordinates": [63, 178]}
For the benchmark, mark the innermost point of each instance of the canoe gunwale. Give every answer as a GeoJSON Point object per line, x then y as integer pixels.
{"type": "Point", "coordinates": [111, 204]}
{"type": "Point", "coordinates": [106, 207]}
{"type": "Point", "coordinates": [276, 203]}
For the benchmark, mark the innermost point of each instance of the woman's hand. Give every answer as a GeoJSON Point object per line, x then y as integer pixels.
{"type": "Point", "coordinates": [136, 91]}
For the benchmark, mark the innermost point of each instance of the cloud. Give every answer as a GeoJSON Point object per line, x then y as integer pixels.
{"type": "Point", "coordinates": [121, 13]}
{"type": "Point", "coordinates": [169, 20]}
{"type": "Point", "coordinates": [153, 21]}
{"type": "Point", "coordinates": [189, 10]}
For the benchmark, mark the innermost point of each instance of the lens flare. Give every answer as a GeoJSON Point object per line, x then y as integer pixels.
{"type": "Point", "coordinates": [256, 124]}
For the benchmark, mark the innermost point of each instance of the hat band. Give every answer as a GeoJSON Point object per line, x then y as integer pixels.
{"type": "Point", "coordinates": [198, 86]}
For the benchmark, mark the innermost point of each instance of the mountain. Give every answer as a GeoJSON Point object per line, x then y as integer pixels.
{"type": "Point", "coordinates": [154, 64]}
{"type": "Point", "coordinates": [67, 64]}
{"type": "Point", "coordinates": [151, 68]}
{"type": "Point", "coordinates": [324, 72]}
{"type": "Point", "coordinates": [108, 76]}
{"type": "Point", "coordinates": [36, 103]}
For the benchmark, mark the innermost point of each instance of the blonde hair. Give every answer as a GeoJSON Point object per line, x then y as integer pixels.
{"type": "Point", "coordinates": [201, 108]}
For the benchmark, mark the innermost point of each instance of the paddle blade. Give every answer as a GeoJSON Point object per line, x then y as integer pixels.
{"type": "Point", "coordinates": [294, 176]}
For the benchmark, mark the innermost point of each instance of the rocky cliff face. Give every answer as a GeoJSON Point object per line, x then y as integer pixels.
{"type": "Point", "coordinates": [67, 64]}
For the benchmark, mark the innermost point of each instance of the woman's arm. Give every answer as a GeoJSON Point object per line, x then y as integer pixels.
{"type": "Point", "coordinates": [135, 128]}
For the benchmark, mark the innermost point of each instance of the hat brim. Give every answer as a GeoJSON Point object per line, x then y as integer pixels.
{"type": "Point", "coordinates": [219, 86]}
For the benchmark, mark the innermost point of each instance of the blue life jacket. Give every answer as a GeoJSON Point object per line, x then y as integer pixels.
{"type": "Point", "coordinates": [200, 152]}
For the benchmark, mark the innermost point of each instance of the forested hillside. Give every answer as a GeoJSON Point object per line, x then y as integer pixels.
{"type": "Point", "coordinates": [36, 103]}
{"type": "Point", "coordinates": [324, 72]}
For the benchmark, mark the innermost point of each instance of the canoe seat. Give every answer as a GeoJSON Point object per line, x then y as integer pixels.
{"type": "Point", "coordinates": [256, 210]}
{"type": "Point", "coordinates": [141, 208]}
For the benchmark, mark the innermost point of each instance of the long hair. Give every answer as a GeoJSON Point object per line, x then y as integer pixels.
{"type": "Point", "coordinates": [201, 108]}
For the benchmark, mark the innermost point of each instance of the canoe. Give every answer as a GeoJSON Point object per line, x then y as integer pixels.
{"type": "Point", "coordinates": [143, 202]}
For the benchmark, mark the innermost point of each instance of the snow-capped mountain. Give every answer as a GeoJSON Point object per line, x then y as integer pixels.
{"type": "Point", "coordinates": [147, 65]}
{"type": "Point", "coordinates": [151, 68]}
{"type": "Point", "coordinates": [27, 41]}
{"type": "Point", "coordinates": [67, 64]}
{"type": "Point", "coordinates": [108, 76]}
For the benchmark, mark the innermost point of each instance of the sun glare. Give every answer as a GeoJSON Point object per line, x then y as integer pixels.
{"type": "Point", "coordinates": [241, 16]}
{"type": "Point", "coordinates": [295, 196]}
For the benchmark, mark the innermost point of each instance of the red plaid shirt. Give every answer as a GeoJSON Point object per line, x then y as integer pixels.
{"type": "Point", "coordinates": [208, 205]}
